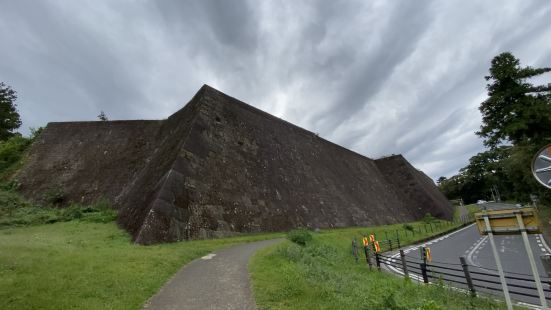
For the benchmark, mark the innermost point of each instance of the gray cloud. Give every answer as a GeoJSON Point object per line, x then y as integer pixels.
{"type": "Point", "coordinates": [378, 77]}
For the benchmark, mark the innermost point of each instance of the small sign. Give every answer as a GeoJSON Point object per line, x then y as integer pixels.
{"type": "Point", "coordinates": [377, 247]}
{"type": "Point", "coordinates": [365, 242]}
{"type": "Point", "coordinates": [541, 166]}
{"type": "Point", "coordinates": [428, 255]}
{"type": "Point", "coordinates": [504, 222]}
{"type": "Point", "coordinates": [372, 238]}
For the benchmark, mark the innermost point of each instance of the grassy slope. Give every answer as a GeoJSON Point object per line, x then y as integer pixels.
{"type": "Point", "coordinates": [324, 275]}
{"type": "Point", "coordinates": [89, 266]}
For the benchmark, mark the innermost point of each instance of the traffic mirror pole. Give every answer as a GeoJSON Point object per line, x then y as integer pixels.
{"type": "Point", "coordinates": [531, 259]}
{"type": "Point", "coordinates": [498, 263]}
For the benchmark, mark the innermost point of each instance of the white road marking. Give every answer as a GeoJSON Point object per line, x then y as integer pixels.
{"type": "Point", "coordinates": [208, 256]}
{"type": "Point", "coordinates": [414, 248]}
{"type": "Point", "coordinates": [544, 243]}
{"type": "Point", "coordinates": [471, 252]}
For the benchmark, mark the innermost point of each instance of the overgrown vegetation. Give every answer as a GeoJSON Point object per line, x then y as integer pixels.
{"type": "Point", "coordinates": [11, 155]}
{"type": "Point", "coordinates": [16, 211]}
{"type": "Point", "coordinates": [516, 123]}
{"type": "Point", "coordinates": [428, 218]}
{"type": "Point", "coordinates": [299, 236]}
{"type": "Point", "coordinates": [324, 275]}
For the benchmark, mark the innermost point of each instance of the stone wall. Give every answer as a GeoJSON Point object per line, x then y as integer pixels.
{"type": "Point", "coordinates": [220, 167]}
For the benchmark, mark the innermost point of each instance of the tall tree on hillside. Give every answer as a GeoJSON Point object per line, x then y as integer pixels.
{"type": "Point", "coordinates": [516, 111]}
{"type": "Point", "coordinates": [9, 117]}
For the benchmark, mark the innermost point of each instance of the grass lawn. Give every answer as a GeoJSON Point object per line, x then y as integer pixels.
{"type": "Point", "coordinates": [324, 275]}
{"type": "Point", "coordinates": [88, 265]}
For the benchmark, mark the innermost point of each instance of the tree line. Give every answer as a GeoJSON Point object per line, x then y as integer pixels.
{"type": "Point", "coordinates": [516, 123]}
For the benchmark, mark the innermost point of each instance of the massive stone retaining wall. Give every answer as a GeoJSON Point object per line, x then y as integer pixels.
{"type": "Point", "coordinates": [220, 167]}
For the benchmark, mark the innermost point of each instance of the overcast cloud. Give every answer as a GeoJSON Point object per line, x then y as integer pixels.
{"type": "Point", "coordinates": [379, 77]}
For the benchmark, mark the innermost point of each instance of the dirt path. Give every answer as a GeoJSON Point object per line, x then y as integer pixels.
{"type": "Point", "coordinates": [215, 281]}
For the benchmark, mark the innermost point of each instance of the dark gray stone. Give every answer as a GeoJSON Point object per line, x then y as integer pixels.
{"type": "Point", "coordinates": [220, 167]}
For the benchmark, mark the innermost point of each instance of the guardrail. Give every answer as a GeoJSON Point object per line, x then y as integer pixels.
{"type": "Point", "coordinates": [466, 276]}
{"type": "Point", "coordinates": [471, 278]}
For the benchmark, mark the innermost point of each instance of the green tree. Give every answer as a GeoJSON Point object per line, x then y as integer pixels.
{"type": "Point", "coordinates": [102, 117]}
{"type": "Point", "coordinates": [516, 122]}
{"type": "Point", "coordinates": [9, 117]}
{"type": "Point", "coordinates": [475, 181]}
{"type": "Point", "coordinates": [516, 111]}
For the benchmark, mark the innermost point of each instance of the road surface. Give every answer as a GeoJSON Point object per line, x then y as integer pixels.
{"type": "Point", "coordinates": [216, 281]}
{"type": "Point", "coordinates": [477, 250]}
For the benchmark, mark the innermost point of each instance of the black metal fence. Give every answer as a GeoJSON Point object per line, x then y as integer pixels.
{"type": "Point", "coordinates": [462, 275]}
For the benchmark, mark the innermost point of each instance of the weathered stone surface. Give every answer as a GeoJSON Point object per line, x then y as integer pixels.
{"type": "Point", "coordinates": [220, 167]}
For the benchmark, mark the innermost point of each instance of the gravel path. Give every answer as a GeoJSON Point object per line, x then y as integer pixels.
{"type": "Point", "coordinates": [216, 281]}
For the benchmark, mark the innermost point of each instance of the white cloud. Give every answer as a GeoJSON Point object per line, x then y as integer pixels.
{"type": "Point", "coordinates": [376, 76]}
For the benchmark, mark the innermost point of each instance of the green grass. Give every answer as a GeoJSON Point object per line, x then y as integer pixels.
{"type": "Point", "coordinates": [86, 265]}
{"type": "Point", "coordinates": [324, 275]}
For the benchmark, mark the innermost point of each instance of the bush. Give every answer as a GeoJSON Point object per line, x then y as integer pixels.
{"type": "Point", "coordinates": [11, 153]}
{"type": "Point", "coordinates": [429, 218]}
{"type": "Point", "coordinates": [72, 212]}
{"type": "Point", "coordinates": [408, 227]}
{"type": "Point", "coordinates": [299, 236]}
{"type": "Point", "coordinates": [10, 186]}
{"type": "Point", "coordinates": [54, 196]}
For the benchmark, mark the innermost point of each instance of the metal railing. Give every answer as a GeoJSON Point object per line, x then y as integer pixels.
{"type": "Point", "coordinates": [463, 275]}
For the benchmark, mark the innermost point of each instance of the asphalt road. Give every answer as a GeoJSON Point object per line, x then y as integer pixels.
{"type": "Point", "coordinates": [477, 250]}
{"type": "Point", "coordinates": [216, 281]}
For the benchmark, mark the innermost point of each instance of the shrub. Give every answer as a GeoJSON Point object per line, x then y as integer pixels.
{"type": "Point", "coordinates": [72, 212]}
{"type": "Point", "coordinates": [299, 236]}
{"type": "Point", "coordinates": [54, 196]}
{"type": "Point", "coordinates": [11, 152]}
{"type": "Point", "coordinates": [408, 227]}
{"type": "Point", "coordinates": [10, 186]}
{"type": "Point", "coordinates": [428, 218]}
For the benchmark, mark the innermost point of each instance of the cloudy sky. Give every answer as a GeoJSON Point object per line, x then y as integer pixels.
{"type": "Point", "coordinates": [378, 77]}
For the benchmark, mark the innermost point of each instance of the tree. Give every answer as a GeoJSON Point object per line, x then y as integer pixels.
{"type": "Point", "coordinates": [516, 111]}
{"type": "Point", "coordinates": [516, 122]}
{"type": "Point", "coordinates": [9, 117]}
{"type": "Point", "coordinates": [102, 117]}
{"type": "Point", "coordinates": [475, 181]}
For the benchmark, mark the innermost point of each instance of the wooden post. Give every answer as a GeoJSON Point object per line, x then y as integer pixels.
{"type": "Point", "coordinates": [367, 256]}
{"type": "Point", "coordinates": [424, 272]}
{"type": "Point", "coordinates": [467, 275]}
{"type": "Point", "coordinates": [531, 259]}
{"type": "Point", "coordinates": [498, 263]}
{"type": "Point", "coordinates": [404, 265]}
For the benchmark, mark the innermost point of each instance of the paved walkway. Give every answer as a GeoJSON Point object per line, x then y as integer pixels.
{"type": "Point", "coordinates": [215, 281]}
